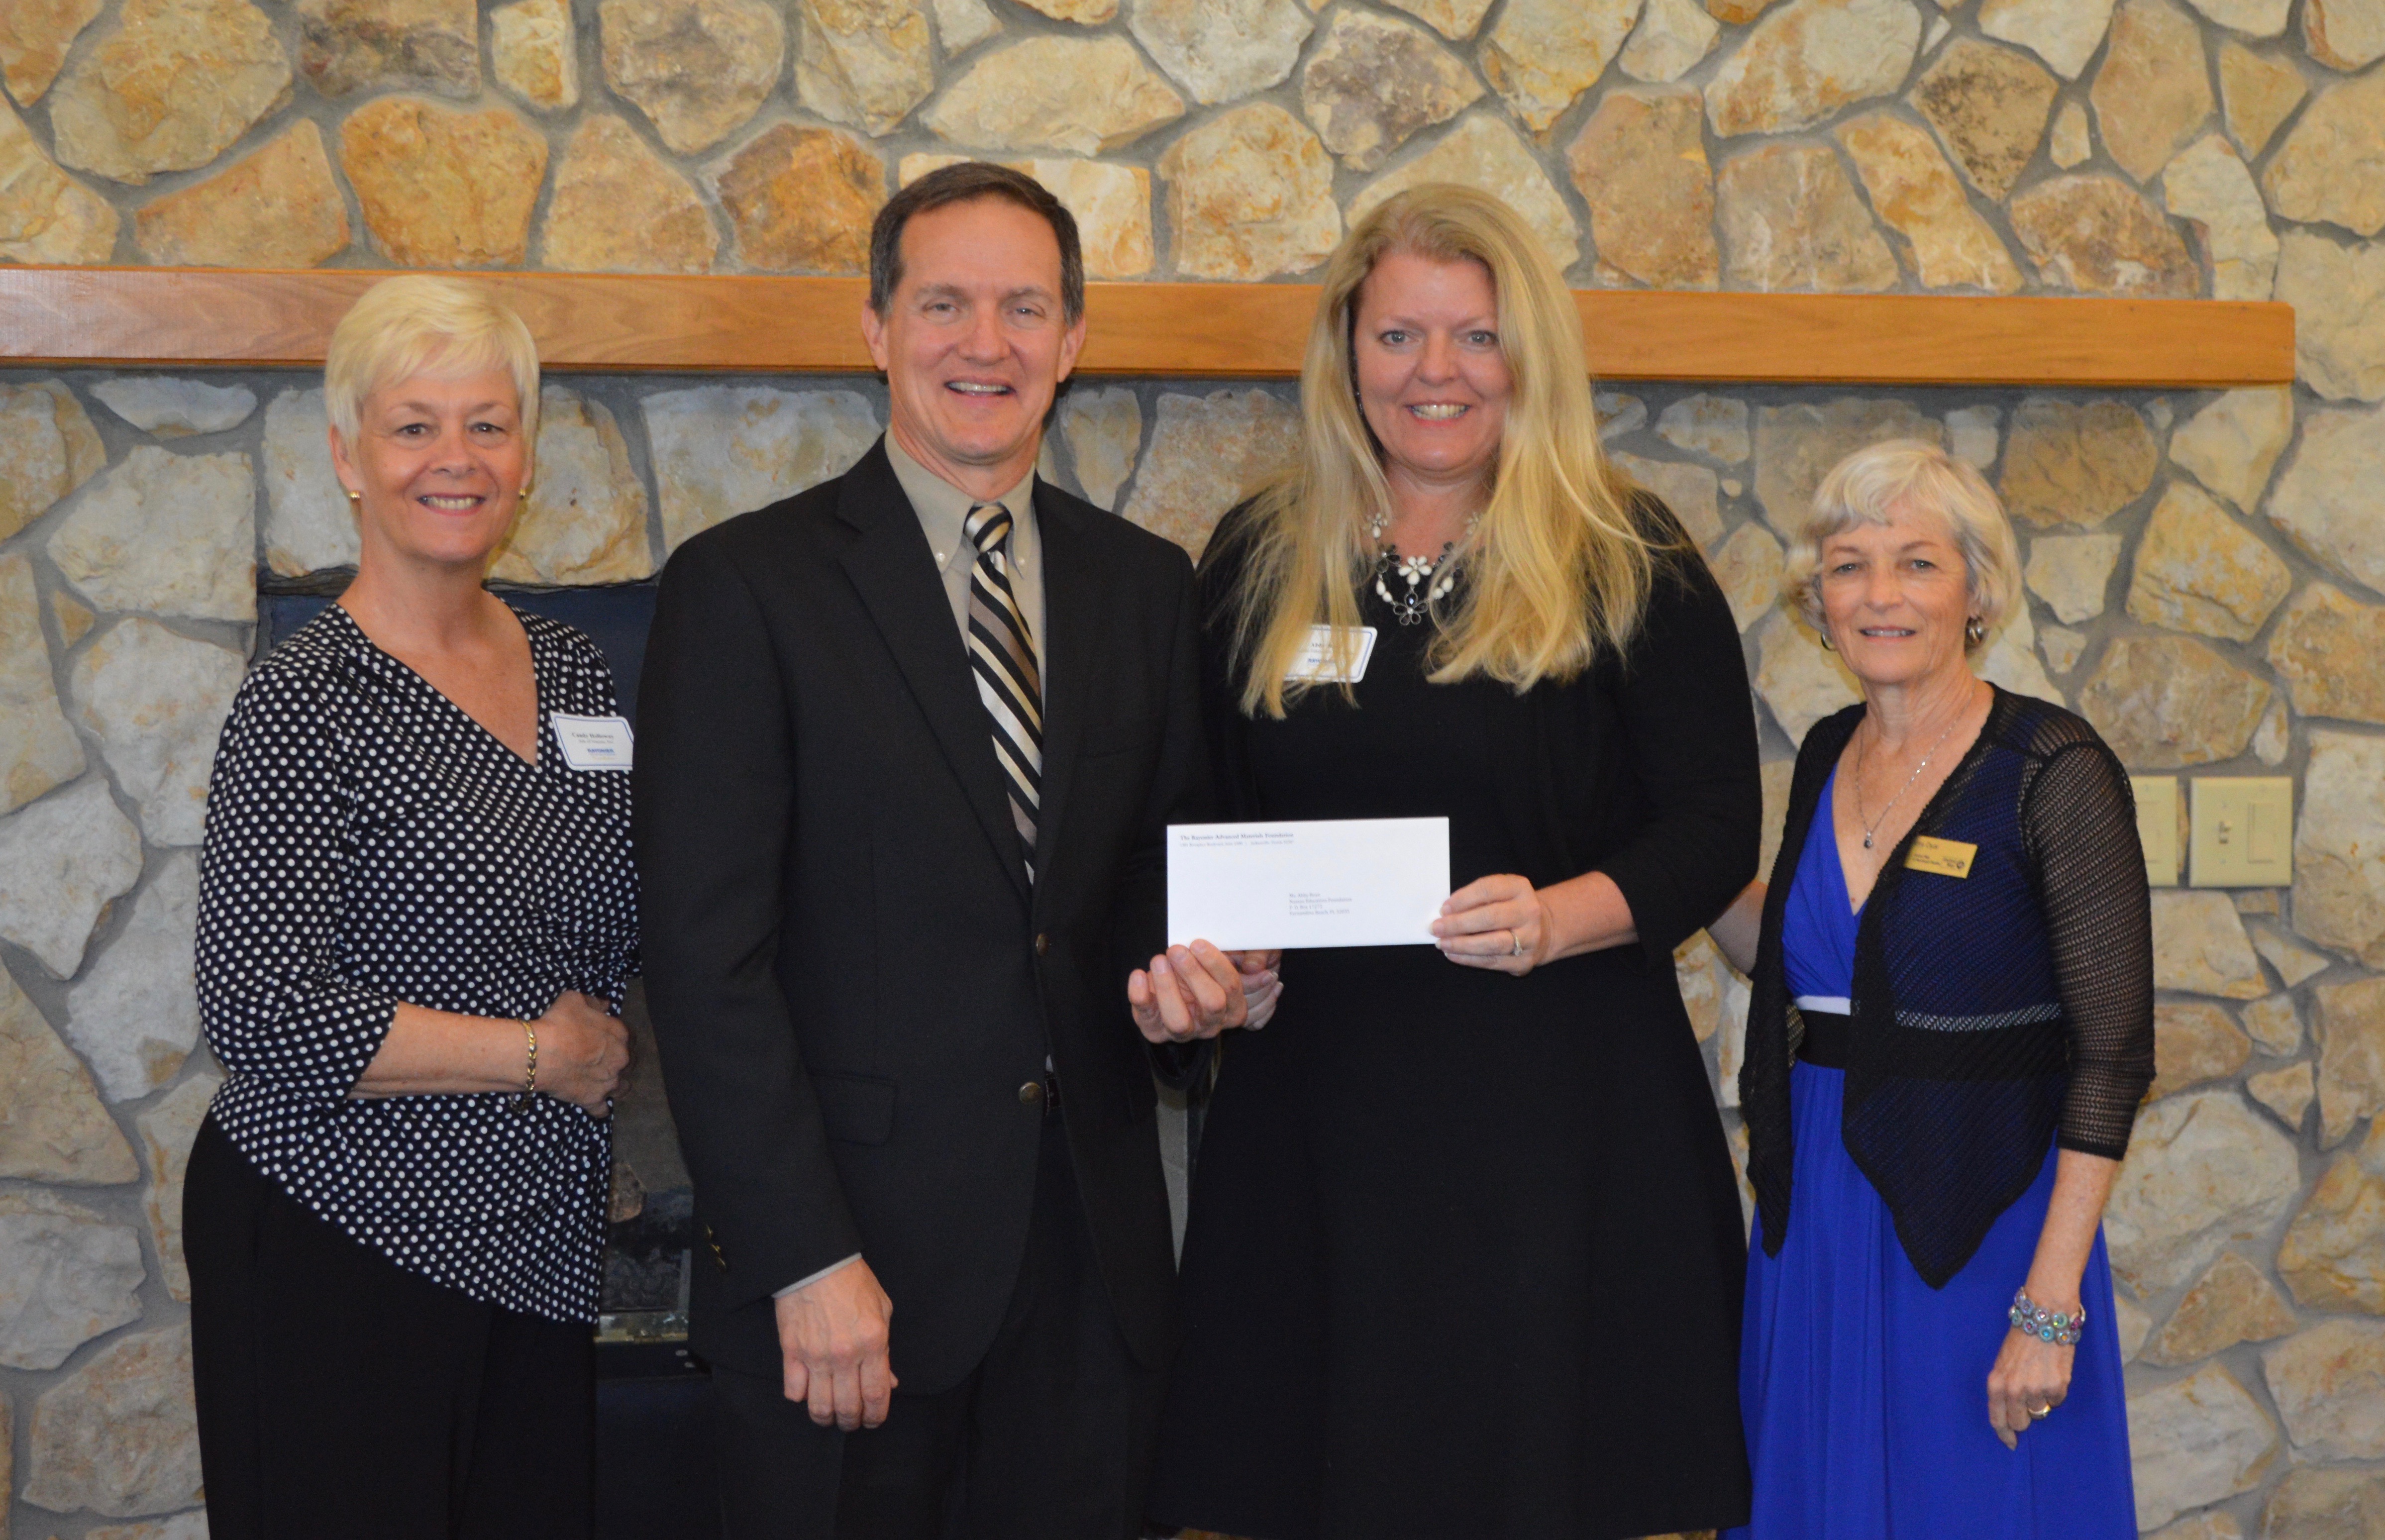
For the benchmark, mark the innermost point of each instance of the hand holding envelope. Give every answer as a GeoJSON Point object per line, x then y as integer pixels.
{"type": "Point", "coordinates": [1376, 882]}
{"type": "Point", "coordinates": [1316, 883]}
{"type": "Point", "coordinates": [1197, 991]}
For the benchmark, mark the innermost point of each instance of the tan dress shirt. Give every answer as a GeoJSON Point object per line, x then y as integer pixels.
{"type": "Point", "coordinates": [943, 507]}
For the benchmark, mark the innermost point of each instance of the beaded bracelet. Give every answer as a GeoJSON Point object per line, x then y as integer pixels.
{"type": "Point", "coordinates": [2045, 1325]}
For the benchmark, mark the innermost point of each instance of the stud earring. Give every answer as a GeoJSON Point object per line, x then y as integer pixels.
{"type": "Point", "coordinates": [523, 495]}
{"type": "Point", "coordinates": [356, 501]}
{"type": "Point", "coordinates": [1975, 630]}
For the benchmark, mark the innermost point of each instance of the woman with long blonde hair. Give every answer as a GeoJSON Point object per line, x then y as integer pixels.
{"type": "Point", "coordinates": [1465, 1254]}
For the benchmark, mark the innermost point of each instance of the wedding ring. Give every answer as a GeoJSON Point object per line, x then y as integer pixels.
{"type": "Point", "coordinates": [1516, 950]}
{"type": "Point", "coordinates": [2040, 1411]}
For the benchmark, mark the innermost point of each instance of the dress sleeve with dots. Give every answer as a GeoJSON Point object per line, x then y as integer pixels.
{"type": "Point", "coordinates": [367, 843]}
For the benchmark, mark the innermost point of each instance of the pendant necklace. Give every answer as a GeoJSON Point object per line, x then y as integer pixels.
{"type": "Point", "coordinates": [1428, 579]}
{"type": "Point", "coordinates": [1872, 827]}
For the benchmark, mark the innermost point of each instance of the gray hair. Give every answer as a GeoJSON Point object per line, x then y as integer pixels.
{"type": "Point", "coordinates": [1866, 488]}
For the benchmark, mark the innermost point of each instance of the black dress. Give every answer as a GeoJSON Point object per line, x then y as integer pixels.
{"type": "Point", "coordinates": [1466, 1250]}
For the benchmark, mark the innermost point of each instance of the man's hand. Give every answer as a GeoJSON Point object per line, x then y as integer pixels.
{"type": "Point", "coordinates": [1197, 990]}
{"type": "Point", "coordinates": [832, 1341]}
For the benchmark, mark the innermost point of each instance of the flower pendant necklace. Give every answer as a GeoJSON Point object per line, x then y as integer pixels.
{"type": "Point", "coordinates": [1427, 579]}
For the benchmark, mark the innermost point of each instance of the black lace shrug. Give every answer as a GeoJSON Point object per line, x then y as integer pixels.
{"type": "Point", "coordinates": [1993, 1013]}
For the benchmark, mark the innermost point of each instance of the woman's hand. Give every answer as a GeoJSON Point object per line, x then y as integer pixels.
{"type": "Point", "coordinates": [582, 1051]}
{"type": "Point", "coordinates": [1197, 990]}
{"type": "Point", "coordinates": [1262, 986]}
{"type": "Point", "coordinates": [1498, 923]}
{"type": "Point", "coordinates": [2031, 1376]}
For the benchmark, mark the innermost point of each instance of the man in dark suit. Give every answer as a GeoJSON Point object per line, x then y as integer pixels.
{"type": "Point", "coordinates": [909, 742]}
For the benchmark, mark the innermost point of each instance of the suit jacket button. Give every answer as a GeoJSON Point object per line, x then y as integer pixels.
{"type": "Point", "coordinates": [1042, 943]}
{"type": "Point", "coordinates": [1031, 1092]}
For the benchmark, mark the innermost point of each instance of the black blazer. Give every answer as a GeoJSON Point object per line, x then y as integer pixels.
{"type": "Point", "coordinates": [850, 977]}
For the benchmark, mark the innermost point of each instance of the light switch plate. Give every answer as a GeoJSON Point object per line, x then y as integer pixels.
{"type": "Point", "coordinates": [2157, 822]}
{"type": "Point", "coordinates": [2242, 833]}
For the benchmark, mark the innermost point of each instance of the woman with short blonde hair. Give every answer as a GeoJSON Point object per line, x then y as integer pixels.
{"type": "Point", "coordinates": [417, 919]}
{"type": "Point", "coordinates": [1949, 1029]}
{"type": "Point", "coordinates": [419, 323]}
{"type": "Point", "coordinates": [1465, 1243]}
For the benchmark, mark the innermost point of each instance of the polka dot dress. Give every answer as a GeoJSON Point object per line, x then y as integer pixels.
{"type": "Point", "coordinates": [367, 843]}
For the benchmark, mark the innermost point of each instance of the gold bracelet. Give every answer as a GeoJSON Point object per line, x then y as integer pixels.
{"type": "Point", "coordinates": [530, 1075]}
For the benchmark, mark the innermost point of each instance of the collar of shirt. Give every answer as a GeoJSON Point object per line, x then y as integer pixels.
{"type": "Point", "coordinates": [943, 508]}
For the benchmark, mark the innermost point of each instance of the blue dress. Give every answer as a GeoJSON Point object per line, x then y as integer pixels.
{"type": "Point", "coordinates": [1863, 1389]}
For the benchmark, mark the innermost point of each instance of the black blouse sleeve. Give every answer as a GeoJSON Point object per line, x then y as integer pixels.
{"type": "Point", "coordinates": [1217, 598]}
{"type": "Point", "coordinates": [272, 874]}
{"type": "Point", "coordinates": [1689, 727]}
{"type": "Point", "coordinates": [2079, 822]}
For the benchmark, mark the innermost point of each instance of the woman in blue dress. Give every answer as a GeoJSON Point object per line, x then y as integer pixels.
{"type": "Point", "coordinates": [1950, 1026]}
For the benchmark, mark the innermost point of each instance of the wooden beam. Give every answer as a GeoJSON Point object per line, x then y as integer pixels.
{"type": "Point", "coordinates": [1938, 339]}
{"type": "Point", "coordinates": [187, 318]}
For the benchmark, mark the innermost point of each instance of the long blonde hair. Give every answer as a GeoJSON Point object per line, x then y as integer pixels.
{"type": "Point", "coordinates": [1557, 566]}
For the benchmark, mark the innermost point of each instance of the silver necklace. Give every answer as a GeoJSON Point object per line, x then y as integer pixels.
{"type": "Point", "coordinates": [1872, 827]}
{"type": "Point", "coordinates": [1428, 579]}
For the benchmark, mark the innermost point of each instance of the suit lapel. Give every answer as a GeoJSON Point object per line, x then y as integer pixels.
{"type": "Point", "coordinates": [1072, 591]}
{"type": "Point", "coordinates": [895, 574]}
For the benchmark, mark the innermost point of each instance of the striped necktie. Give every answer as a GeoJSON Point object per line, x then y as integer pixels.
{"type": "Point", "coordinates": [1003, 658]}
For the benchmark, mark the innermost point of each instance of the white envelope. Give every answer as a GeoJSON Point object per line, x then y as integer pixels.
{"type": "Point", "coordinates": [1321, 882]}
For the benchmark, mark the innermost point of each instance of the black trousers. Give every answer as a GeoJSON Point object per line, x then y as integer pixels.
{"type": "Point", "coordinates": [1051, 1437]}
{"type": "Point", "coordinates": [339, 1395]}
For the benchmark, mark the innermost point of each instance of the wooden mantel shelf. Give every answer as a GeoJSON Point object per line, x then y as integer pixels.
{"type": "Point", "coordinates": [186, 318]}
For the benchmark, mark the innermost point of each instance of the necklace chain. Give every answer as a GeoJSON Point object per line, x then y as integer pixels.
{"type": "Point", "coordinates": [1871, 826]}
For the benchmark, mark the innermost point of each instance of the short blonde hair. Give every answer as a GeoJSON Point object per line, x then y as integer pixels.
{"type": "Point", "coordinates": [1559, 565]}
{"type": "Point", "coordinates": [417, 324]}
{"type": "Point", "coordinates": [1870, 484]}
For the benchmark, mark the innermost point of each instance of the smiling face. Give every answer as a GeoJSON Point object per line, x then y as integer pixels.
{"type": "Point", "coordinates": [1432, 382]}
{"type": "Point", "coordinates": [440, 462]}
{"type": "Point", "coordinates": [974, 341]}
{"type": "Point", "coordinates": [1897, 598]}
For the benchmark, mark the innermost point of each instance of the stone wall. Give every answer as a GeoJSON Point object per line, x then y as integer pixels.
{"type": "Point", "coordinates": [2205, 570]}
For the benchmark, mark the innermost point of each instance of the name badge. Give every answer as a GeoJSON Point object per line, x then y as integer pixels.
{"type": "Point", "coordinates": [1946, 858]}
{"type": "Point", "coordinates": [593, 743]}
{"type": "Point", "coordinates": [1316, 663]}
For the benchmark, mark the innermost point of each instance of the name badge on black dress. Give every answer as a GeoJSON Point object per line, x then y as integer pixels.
{"type": "Point", "coordinates": [1316, 664]}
